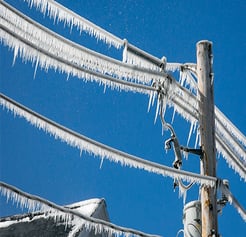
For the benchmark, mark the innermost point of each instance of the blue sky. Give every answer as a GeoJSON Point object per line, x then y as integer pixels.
{"type": "Point", "coordinates": [37, 163]}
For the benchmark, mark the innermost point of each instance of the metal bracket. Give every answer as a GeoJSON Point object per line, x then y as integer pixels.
{"type": "Point", "coordinates": [198, 152]}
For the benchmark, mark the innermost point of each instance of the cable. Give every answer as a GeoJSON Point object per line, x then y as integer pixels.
{"type": "Point", "coordinates": [178, 157]}
{"type": "Point", "coordinates": [98, 149]}
{"type": "Point", "coordinates": [227, 193]}
{"type": "Point", "coordinates": [56, 11]}
{"type": "Point", "coordinates": [94, 60]}
{"type": "Point", "coordinates": [180, 231]}
{"type": "Point", "coordinates": [186, 187]}
{"type": "Point", "coordinates": [126, 85]}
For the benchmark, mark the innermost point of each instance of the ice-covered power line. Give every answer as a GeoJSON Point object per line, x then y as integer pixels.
{"type": "Point", "coordinates": [61, 13]}
{"type": "Point", "coordinates": [98, 149]}
{"type": "Point", "coordinates": [70, 216]}
{"type": "Point", "coordinates": [232, 131]}
{"type": "Point", "coordinates": [232, 200]}
{"type": "Point", "coordinates": [29, 51]}
{"type": "Point", "coordinates": [57, 11]}
{"type": "Point", "coordinates": [57, 45]}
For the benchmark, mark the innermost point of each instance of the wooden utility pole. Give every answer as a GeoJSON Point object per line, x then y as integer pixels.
{"type": "Point", "coordinates": [207, 135]}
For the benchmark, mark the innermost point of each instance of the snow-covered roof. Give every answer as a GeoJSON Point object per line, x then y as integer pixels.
{"type": "Point", "coordinates": [44, 224]}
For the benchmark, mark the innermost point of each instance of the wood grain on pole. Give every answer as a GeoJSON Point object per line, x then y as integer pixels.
{"type": "Point", "coordinates": [207, 136]}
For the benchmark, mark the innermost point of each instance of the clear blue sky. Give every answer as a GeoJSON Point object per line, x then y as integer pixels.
{"type": "Point", "coordinates": [37, 163]}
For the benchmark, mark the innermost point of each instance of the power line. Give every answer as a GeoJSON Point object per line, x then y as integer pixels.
{"type": "Point", "coordinates": [56, 11]}
{"type": "Point", "coordinates": [82, 142]}
{"type": "Point", "coordinates": [40, 36]}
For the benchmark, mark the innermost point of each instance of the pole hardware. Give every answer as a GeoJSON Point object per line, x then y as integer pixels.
{"type": "Point", "coordinates": [194, 151]}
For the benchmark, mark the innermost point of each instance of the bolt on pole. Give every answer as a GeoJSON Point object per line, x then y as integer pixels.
{"type": "Point", "coordinates": [207, 136]}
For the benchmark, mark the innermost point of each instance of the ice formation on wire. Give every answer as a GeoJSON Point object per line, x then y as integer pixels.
{"type": "Point", "coordinates": [131, 58]}
{"type": "Point", "coordinates": [232, 200]}
{"type": "Point", "coordinates": [56, 46]}
{"type": "Point", "coordinates": [46, 61]}
{"type": "Point", "coordinates": [69, 216]}
{"type": "Point", "coordinates": [98, 149]}
{"type": "Point", "coordinates": [61, 13]}
{"type": "Point", "coordinates": [231, 159]}
{"type": "Point", "coordinates": [233, 134]}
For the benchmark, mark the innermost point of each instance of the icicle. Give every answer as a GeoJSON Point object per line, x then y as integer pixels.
{"type": "Point", "coordinates": [22, 201]}
{"type": "Point", "coordinates": [173, 116]}
{"type": "Point", "coordinates": [16, 49]}
{"type": "Point", "coordinates": [182, 193]}
{"type": "Point", "coordinates": [101, 163]}
{"type": "Point", "coordinates": [191, 82]}
{"type": "Point", "coordinates": [192, 129]}
{"type": "Point", "coordinates": [152, 98]}
{"type": "Point", "coordinates": [197, 137]}
{"type": "Point", "coordinates": [157, 110]}
{"type": "Point", "coordinates": [36, 67]}
{"type": "Point", "coordinates": [182, 77]}
{"type": "Point", "coordinates": [185, 154]}
{"type": "Point", "coordinates": [124, 55]}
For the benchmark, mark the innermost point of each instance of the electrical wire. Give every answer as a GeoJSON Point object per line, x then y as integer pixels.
{"type": "Point", "coordinates": [56, 11]}
{"type": "Point", "coordinates": [78, 47]}
{"type": "Point", "coordinates": [232, 200]}
{"type": "Point", "coordinates": [177, 151]}
{"type": "Point", "coordinates": [82, 142]}
{"type": "Point", "coordinates": [180, 231]}
{"type": "Point", "coordinates": [128, 85]}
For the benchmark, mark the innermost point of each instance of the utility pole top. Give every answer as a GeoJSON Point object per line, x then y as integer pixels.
{"type": "Point", "coordinates": [204, 42]}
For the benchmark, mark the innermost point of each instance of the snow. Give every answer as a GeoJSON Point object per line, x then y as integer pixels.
{"type": "Point", "coordinates": [87, 207]}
